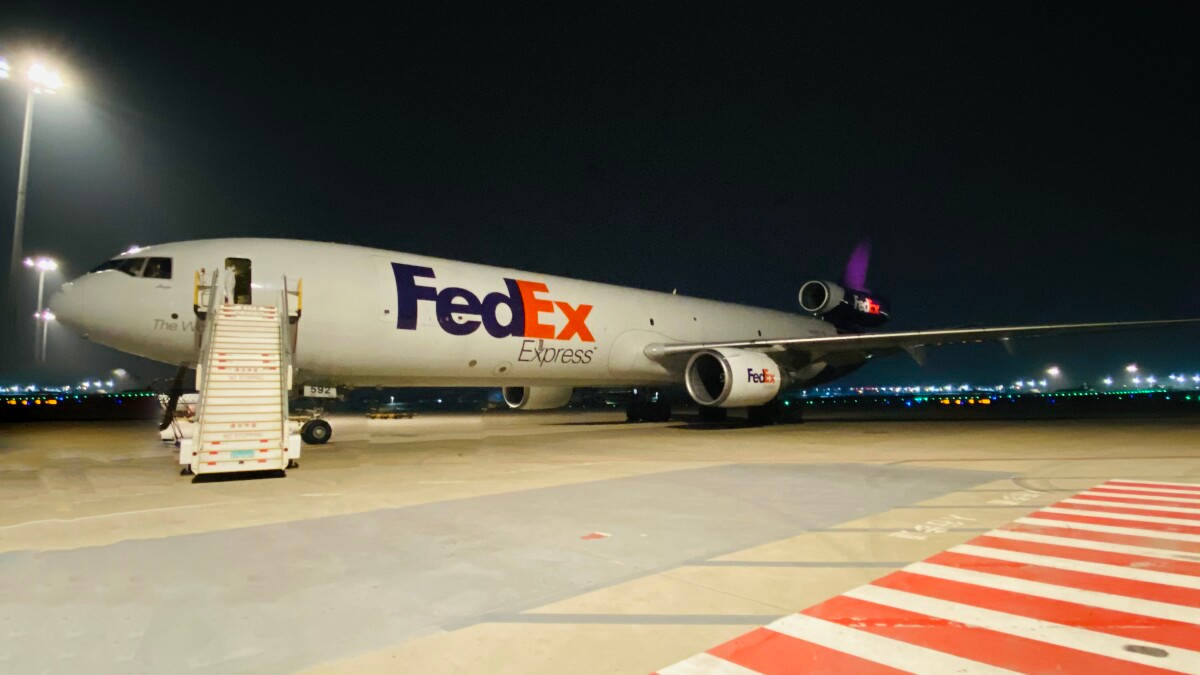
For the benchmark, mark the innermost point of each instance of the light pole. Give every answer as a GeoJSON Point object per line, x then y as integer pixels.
{"type": "Point", "coordinates": [40, 79]}
{"type": "Point", "coordinates": [46, 317]}
{"type": "Point", "coordinates": [43, 265]}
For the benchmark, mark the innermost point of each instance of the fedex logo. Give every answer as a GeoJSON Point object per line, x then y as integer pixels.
{"type": "Point", "coordinates": [765, 376]}
{"type": "Point", "coordinates": [866, 304]}
{"type": "Point", "coordinates": [525, 308]}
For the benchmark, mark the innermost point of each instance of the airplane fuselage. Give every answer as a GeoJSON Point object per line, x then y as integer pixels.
{"type": "Point", "coordinates": [377, 317]}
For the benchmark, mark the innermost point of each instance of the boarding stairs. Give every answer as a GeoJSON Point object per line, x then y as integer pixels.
{"type": "Point", "coordinates": [244, 374]}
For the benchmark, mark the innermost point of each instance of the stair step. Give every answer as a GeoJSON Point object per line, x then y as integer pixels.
{"type": "Point", "coordinates": [243, 389]}
{"type": "Point", "coordinates": [272, 399]}
{"type": "Point", "coordinates": [246, 360]}
{"type": "Point", "coordinates": [245, 338]}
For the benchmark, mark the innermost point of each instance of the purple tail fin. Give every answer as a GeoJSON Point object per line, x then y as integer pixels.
{"type": "Point", "coordinates": [856, 267]}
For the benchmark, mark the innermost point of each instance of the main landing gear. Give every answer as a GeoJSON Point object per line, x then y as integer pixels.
{"type": "Point", "coordinates": [765, 414]}
{"type": "Point", "coordinates": [647, 407]}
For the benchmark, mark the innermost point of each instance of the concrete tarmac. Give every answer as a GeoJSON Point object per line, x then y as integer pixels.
{"type": "Point", "coordinates": [503, 543]}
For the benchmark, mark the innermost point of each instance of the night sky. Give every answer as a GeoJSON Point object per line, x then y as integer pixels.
{"type": "Point", "coordinates": [1009, 164]}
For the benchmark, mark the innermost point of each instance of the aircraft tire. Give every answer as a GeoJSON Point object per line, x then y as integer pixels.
{"type": "Point", "coordinates": [713, 414]}
{"type": "Point", "coordinates": [763, 415]}
{"type": "Point", "coordinates": [316, 432]}
{"type": "Point", "coordinates": [659, 411]}
{"type": "Point", "coordinates": [633, 412]}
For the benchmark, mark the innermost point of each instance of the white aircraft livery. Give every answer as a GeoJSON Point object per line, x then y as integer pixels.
{"type": "Point", "coordinates": [376, 317]}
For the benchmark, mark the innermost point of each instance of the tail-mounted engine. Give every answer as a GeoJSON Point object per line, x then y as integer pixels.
{"type": "Point", "coordinates": [732, 378]}
{"type": "Point", "coordinates": [849, 309]}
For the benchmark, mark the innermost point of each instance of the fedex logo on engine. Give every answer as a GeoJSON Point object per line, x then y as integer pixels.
{"type": "Point", "coordinates": [525, 308]}
{"type": "Point", "coordinates": [764, 376]}
{"type": "Point", "coordinates": [866, 304]}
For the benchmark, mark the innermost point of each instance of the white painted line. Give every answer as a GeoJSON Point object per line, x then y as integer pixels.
{"type": "Point", "coordinates": [1110, 529]}
{"type": "Point", "coordinates": [1119, 603]}
{"type": "Point", "coordinates": [1112, 646]}
{"type": "Point", "coordinates": [1111, 486]}
{"type": "Point", "coordinates": [864, 645]}
{"type": "Point", "coordinates": [1121, 516]}
{"type": "Point", "coordinates": [1125, 505]}
{"type": "Point", "coordinates": [1084, 566]}
{"type": "Point", "coordinates": [1094, 545]}
{"type": "Point", "coordinates": [116, 514]}
{"type": "Point", "coordinates": [1195, 486]}
{"type": "Point", "coordinates": [1153, 498]}
{"type": "Point", "coordinates": [706, 664]}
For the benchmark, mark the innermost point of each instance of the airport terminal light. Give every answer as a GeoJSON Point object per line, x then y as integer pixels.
{"type": "Point", "coordinates": [1107, 381]}
{"type": "Point", "coordinates": [40, 78]}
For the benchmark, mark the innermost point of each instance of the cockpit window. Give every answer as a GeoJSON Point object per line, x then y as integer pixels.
{"type": "Point", "coordinates": [151, 268]}
{"type": "Point", "coordinates": [106, 265]}
{"type": "Point", "coordinates": [157, 268]}
{"type": "Point", "coordinates": [132, 266]}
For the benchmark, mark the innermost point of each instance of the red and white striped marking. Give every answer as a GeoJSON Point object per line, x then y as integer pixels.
{"type": "Point", "coordinates": [1106, 581]}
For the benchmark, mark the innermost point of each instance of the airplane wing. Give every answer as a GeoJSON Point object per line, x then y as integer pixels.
{"type": "Point", "coordinates": [878, 344]}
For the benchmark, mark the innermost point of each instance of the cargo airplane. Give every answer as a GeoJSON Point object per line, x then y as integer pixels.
{"type": "Point", "coordinates": [375, 317]}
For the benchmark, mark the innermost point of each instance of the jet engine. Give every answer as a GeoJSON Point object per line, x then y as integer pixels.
{"type": "Point", "coordinates": [847, 308]}
{"type": "Point", "coordinates": [536, 398]}
{"type": "Point", "coordinates": [732, 378]}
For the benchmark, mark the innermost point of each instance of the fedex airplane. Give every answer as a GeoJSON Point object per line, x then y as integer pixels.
{"type": "Point", "coordinates": [376, 317]}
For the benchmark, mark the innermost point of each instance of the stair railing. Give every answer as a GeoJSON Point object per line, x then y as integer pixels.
{"type": "Point", "coordinates": [285, 364]}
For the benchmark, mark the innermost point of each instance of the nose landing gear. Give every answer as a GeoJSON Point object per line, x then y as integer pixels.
{"type": "Point", "coordinates": [316, 432]}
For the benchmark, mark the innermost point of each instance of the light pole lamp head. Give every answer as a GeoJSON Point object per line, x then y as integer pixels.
{"type": "Point", "coordinates": [44, 264]}
{"type": "Point", "coordinates": [44, 79]}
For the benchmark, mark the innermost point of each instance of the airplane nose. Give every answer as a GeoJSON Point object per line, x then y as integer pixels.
{"type": "Point", "coordinates": [68, 305]}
